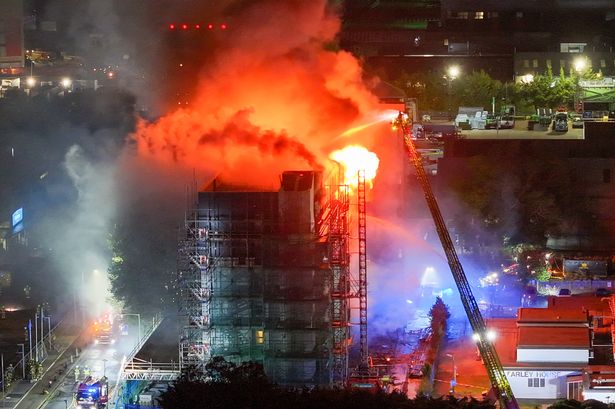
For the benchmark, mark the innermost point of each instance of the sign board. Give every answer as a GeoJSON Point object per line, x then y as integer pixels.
{"type": "Point", "coordinates": [17, 217]}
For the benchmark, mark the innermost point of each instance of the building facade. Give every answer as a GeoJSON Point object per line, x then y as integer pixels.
{"type": "Point", "coordinates": [257, 282]}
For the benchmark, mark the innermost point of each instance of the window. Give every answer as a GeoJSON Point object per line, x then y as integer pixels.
{"type": "Point", "coordinates": [479, 15]}
{"type": "Point", "coordinates": [260, 336]}
{"type": "Point", "coordinates": [535, 63]}
{"type": "Point", "coordinates": [493, 14]}
{"type": "Point", "coordinates": [603, 63]}
{"type": "Point", "coordinates": [548, 63]}
{"type": "Point", "coordinates": [463, 15]}
{"type": "Point", "coordinates": [519, 14]}
{"type": "Point", "coordinates": [536, 382]}
{"type": "Point", "coordinates": [526, 63]}
{"type": "Point", "coordinates": [606, 175]}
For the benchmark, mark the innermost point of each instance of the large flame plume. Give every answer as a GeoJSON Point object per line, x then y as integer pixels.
{"type": "Point", "coordinates": [354, 158]}
{"type": "Point", "coordinates": [273, 100]}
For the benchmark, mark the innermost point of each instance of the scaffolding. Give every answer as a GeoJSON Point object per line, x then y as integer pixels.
{"type": "Point", "coordinates": [253, 283]}
{"type": "Point", "coordinates": [334, 229]}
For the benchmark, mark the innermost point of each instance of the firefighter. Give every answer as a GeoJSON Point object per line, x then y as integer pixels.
{"type": "Point", "coordinates": [77, 373]}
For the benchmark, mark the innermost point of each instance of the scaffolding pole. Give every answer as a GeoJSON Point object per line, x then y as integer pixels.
{"type": "Point", "coordinates": [364, 364]}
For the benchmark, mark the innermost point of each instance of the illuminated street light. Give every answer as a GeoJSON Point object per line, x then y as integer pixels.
{"type": "Point", "coordinates": [491, 335]}
{"type": "Point", "coordinates": [30, 82]}
{"type": "Point", "coordinates": [476, 337]}
{"type": "Point", "coordinates": [580, 64]}
{"type": "Point", "coordinates": [527, 78]}
{"type": "Point", "coordinates": [453, 71]}
{"type": "Point", "coordinates": [66, 82]}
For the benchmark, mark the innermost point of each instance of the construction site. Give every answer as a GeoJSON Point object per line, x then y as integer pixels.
{"type": "Point", "coordinates": [264, 277]}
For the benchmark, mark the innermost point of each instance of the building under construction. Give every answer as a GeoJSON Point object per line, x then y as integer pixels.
{"type": "Point", "coordinates": [264, 277]}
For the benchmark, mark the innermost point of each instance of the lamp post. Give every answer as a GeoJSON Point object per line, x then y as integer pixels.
{"type": "Point", "coordinates": [48, 330]}
{"type": "Point", "coordinates": [23, 360]}
{"type": "Point", "coordinates": [454, 380]}
{"type": "Point", "coordinates": [580, 65]}
{"type": "Point", "coordinates": [452, 72]}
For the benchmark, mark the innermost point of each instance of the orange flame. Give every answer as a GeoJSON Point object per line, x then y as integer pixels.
{"type": "Point", "coordinates": [354, 158]}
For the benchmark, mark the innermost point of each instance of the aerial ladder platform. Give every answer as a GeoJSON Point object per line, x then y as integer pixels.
{"type": "Point", "coordinates": [499, 382]}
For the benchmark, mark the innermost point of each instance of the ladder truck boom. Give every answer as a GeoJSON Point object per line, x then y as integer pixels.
{"type": "Point", "coordinates": [492, 363]}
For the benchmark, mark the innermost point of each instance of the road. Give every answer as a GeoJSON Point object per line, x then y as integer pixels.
{"type": "Point", "coordinates": [102, 360]}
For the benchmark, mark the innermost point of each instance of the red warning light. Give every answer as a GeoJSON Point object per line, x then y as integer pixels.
{"type": "Point", "coordinates": [184, 26]}
{"type": "Point", "coordinates": [171, 26]}
{"type": "Point", "coordinates": [210, 26]}
{"type": "Point", "coordinates": [223, 26]}
{"type": "Point", "coordinates": [198, 26]}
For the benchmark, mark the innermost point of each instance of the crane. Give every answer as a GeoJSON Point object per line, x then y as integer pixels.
{"type": "Point", "coordinates": [499, 382]}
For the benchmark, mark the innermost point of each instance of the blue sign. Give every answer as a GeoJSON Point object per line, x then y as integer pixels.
{"type": "Point", "coordinates": [17, 216]}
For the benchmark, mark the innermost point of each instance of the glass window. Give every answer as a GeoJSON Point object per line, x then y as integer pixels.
{"type": "Point", "coordinates": [603, 63]}
{"type": "Point", "coordinates": [535, 63]}
{"type": "Point", "coordinates": [529, 382]}
{"type": "Point", "coordinates": [479, 15]}
{"type": "Point", "coordinates": [542, 382]}
{"type": "Point", "coordinates": [526, 63]}
{"type": "Point", "coordinates": [519, 14]}
{"type": "Point", "coordinates": [536, 382]}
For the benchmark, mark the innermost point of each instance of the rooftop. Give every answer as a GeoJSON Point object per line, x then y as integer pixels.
{"type": "Point", "coordinates": [553, 337]}
{"type": "Point", "coordinates": [550, 315]}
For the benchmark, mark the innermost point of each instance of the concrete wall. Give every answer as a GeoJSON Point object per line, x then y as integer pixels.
{"type": "Point", "coordinates": [550, 384]}
{"type": "Point", "coordinates": [552, 355]}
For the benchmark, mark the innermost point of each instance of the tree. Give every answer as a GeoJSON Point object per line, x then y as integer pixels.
{"type": "Point", "coordinates": [548, 91]}
{"type": "Point", "coordinates": [438, 314]}
{"type": "Point", "coordinates": [476, 89]}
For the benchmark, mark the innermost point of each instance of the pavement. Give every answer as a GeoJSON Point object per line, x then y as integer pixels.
{"type": "Point", "coordinates": [25, 394]}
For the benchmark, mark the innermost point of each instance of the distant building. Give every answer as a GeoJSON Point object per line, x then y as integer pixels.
{"type": "Point", "coordinates": [416, 35]}
{"type": "Point", "coordinates": [11, 43]}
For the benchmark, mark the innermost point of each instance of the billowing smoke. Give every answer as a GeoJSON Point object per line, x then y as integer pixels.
{"type": "Point", "coordinates": [272, 100]}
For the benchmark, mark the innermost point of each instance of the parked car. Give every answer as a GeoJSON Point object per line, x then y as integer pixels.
{"type": "Point", "coordinates": [506, 122]}
{"type": "Point", "coordinates": [602, 292]}
{"type": "Point", "coordinates": [564, 292]}
{"type": "Point", "coordinates": [560, 122]}
{"type": "Point", "coordinates": [577, 121]}
{"type": "Point", "coordinates": [491, 122]}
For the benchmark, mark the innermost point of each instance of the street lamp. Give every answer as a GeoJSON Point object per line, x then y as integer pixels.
{"type": "Point", "coordinates": [23, 360]}
{"type": "Point", "coordinates": [527, 78]}
{"type": "Point", "coordinates": [580, 64]}
{"type": "Point", "coordinates": [30, 82]}
{"type": "Point", "coordinates": [454, 380]}
{"type": "Point", "coordinates": [452, 73]}
{"type": "Point", "coordinates": [66, 82]}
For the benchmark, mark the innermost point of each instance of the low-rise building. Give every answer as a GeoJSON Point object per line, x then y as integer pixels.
{"type": "Point", "coordinates": [564, 351]}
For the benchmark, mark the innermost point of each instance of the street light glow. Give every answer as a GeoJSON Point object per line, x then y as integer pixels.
{"type": "Point", "coordinates": [580, 64]}
{"type": "Point", "coordinates": [66, 82]}
{"type": "Point", "coordinates": [30, 82]}
{"type": "Point", "coordinates": [453, 71]}
{"type": "Point", "coordinates": [527, 78]}
{"type": "Point", "coordinates": [491, 335]}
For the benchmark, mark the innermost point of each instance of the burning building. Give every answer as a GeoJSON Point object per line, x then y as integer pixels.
{"type": "Point", "coordinates": [264, 277]}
